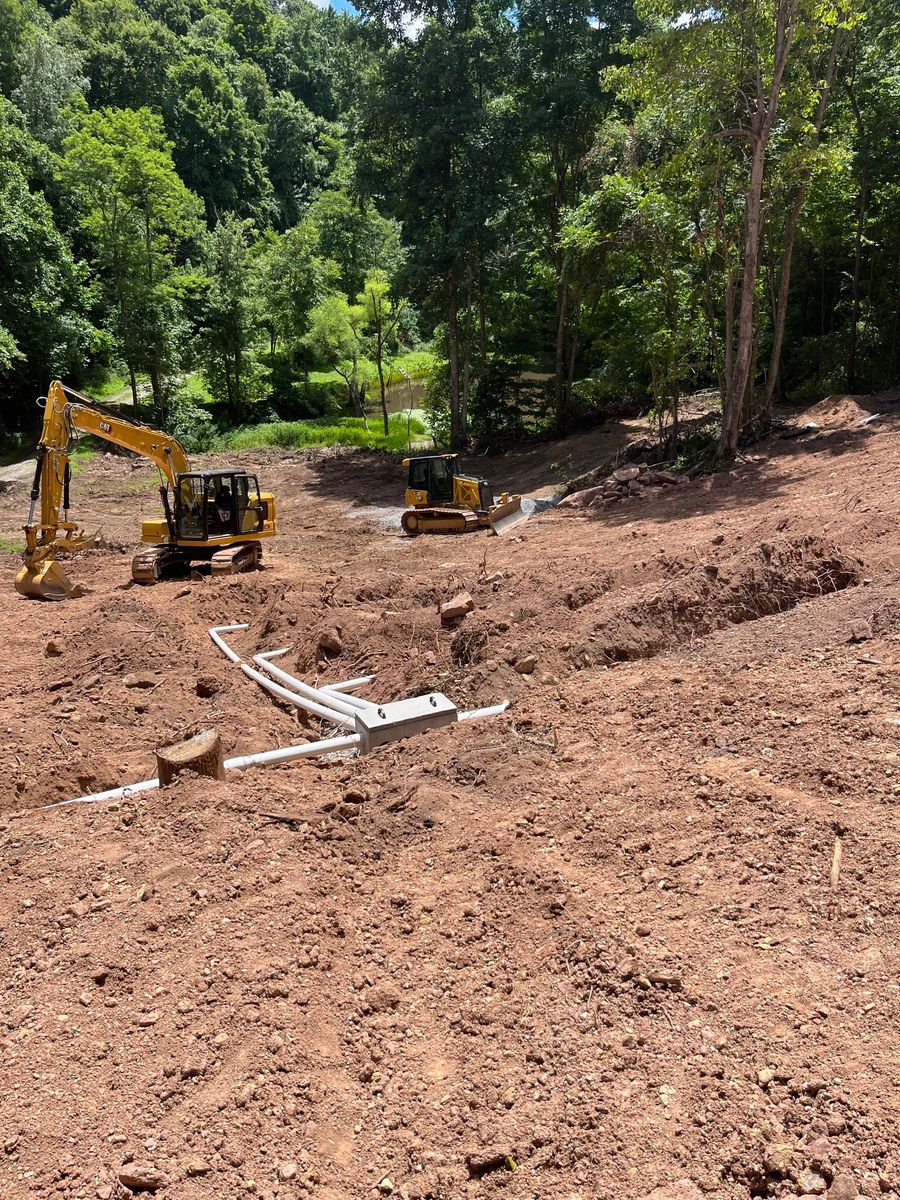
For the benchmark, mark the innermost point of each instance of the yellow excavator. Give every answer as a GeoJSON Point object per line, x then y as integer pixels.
{"type": "Point", "coordinates": [219, 517]}
{"type": "Point", "coordinates": [442, 499]}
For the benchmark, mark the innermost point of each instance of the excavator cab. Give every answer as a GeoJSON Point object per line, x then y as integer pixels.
{"type": "Point", "coordinates": [217, 504]}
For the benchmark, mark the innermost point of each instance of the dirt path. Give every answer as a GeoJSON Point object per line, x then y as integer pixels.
{"type": "Point", "coordinates": [18, 472]}
{"type": "Point", "coordinates": [593, 949]}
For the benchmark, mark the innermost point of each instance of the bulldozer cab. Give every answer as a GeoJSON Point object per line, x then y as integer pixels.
{"type": "Point", "coordinates": [433, 474]}
{"type": "Point", "coordinates": [217, 504]}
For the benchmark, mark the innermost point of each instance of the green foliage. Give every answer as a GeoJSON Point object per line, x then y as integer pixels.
{"type": "Point", "coordinates": [436, 403]}
{"type": "Point", "coordinates": [50, 78]}
{"type": "Point", "coordinates": [137, 213]}
{"type": "Point", "coordinates": [229, 322]}
{"type": "Point", "coordinates": [278, 197]}
{"type": "Point", "coordinates": [348, 431]}
{"type": "Point", "coordinates": [355, 237]}
{"type": "Point", "coordinates": [124, 53]}
{"type": "Point", "coordinates": [190, 421]}
{"type": "Point", "coordinates": [218, 148]}
{"type": "Point", "coordinates": [296, 166]}
{"type": "Point", "coordinates": [45, 298]}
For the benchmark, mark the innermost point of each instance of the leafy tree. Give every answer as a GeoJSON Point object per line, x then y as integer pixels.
{"type": "Point", "coordinates": [229, 324]}
{"type": "Point", "coordinates": [50, 78]}
{"type": "Point", "coordinates": [739, 71]}
{"type": "Point", "coordinates": [383, 314]}
{"type": "Point", "coordinates": [137, 214]}
{"type": "Point", "coordinates": [292, 157]}
{"type": "Point", "coordinates": [355, 235]}
{"type": "Point", "coordinates": [337, 337]}
{"type": "Point", "coordinates": [17, 19]}
{"type": "Point", "coordinates": [564, 48]}
{"type": "Point", "coordinates": [292, 278]}
{"type": "Point", "coordinates": [315, 58]}
{"type": "Point", "coordinates": [433, 142]}
{"type": "Point", "coordinates": [251, 30]}
{"type": "Point", "coordinates": [124, 53]}
{"type": "Point", "coordinates": [46, 300]}
{"type": "Point", "coordinates": [218, 148]}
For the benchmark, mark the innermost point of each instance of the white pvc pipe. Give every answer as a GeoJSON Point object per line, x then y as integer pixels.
{"type": "Point", "coordinates": [297, 685]}
{"type": "Point", "coordinates": [349, 685]}
{"type": "Point", "coordinates": [119, 793]}
{"type": "Point", "coordinates": [477, 714]}
{"type": "Point", "coordinates": [357, 701]}
{"type": "Point", "coordinates": [241, 763]}
{"type": "Point", "coordinates": [327, 714]}
{"type": "Point", "coordinates": [289, 753]}
{"type": "Point", "coordinates": [215, 633]}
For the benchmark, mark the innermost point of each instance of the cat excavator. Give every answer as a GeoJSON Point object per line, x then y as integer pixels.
{"type": "Point", "coordinates": [219, 517]}
{"type": "Point", "coordinates": [442, 499]}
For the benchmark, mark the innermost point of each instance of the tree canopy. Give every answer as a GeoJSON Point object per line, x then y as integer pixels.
{"type": "Point", "coordinates": [624, 199]}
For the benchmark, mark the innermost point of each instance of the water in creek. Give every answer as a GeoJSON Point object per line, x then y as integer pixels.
{"type": "Point", "coordinates": [400, 396]}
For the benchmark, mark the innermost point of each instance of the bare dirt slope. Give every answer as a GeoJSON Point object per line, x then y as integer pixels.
{"type": "Point", "coordinates": [595, 948]}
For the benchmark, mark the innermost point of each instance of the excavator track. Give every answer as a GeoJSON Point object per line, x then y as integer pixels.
{"type": "Point", "coordinates": [152, 563]}
{"type": "Point", "coordinates": [235, 559]}
{"type": "Point", "coordinates": [438, 520]}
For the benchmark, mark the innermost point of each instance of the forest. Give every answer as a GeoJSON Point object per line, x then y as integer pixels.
{"type": "Point", "coordinates": [555, 210]}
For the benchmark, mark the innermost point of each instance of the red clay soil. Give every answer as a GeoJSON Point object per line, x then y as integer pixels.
{"type": "Point", "coordinates": [638, 937]}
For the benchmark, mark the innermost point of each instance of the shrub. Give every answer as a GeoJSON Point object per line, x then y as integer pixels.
{"type": "Point", "coordinates": [190, 422]}
{"type": "Point", "coordinates": [342, 431]}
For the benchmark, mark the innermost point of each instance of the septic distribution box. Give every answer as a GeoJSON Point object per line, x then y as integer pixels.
{"type": "Point", "coordinates": [403, 718]}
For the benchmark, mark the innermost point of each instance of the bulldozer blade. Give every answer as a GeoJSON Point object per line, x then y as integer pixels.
{"type": "Point", "coordinates": [46, 581]}
{"type": "Point", "coordinates": [507, 515]}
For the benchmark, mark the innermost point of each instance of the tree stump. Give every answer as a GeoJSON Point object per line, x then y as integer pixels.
{"type": "Point", "coordinates": [202, 754]}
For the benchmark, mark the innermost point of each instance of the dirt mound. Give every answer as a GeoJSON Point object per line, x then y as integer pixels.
{"type": "Point", "coordinates": [848, 411]}
{"type": "Point", "coordinates": [771, 578]}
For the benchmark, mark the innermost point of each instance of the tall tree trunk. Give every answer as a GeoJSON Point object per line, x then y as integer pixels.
{"type": "Point", "coordinates": [238, 369]}
{"type": "Point", "coordinates": [467, 355]}
{"type": "Point", "coordinates": [743, 358]}
{"type": "Point", "coordinates": [781, 302]}
{"type": "Point", "coordinates": [457, 431]}
{"type": "Point", "coordinates": [482, 317]}
{"type": "Point", "coordinates": [861, 215]}
{"type": "Point", "coordinates": [729, 332]}
{"type": "Point", "coordinates": [134, 391]}
{"type": "Point", "coordinates": [382, 396]}
{"type": "Point", "coordinates": [158, 399]}
{"type": "Point", "coordinates": [561, 391]}
{"type": "Point", "coordinates": [772, 381]}
{"type": "Point", "coordinates": [853, 344]}
{"type": "Point", "coordinates": [761, 124]}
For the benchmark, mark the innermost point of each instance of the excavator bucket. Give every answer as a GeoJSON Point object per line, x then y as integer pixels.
{"type": "Point", "coordinates": [46, 580]}
{"type": "Point", "coordinates": [507, 514]}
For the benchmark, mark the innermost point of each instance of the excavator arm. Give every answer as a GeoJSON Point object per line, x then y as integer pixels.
{"type": "Point", "coordinates": [67, 413]}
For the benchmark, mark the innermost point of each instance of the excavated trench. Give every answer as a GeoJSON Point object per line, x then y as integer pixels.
{"type": "Point", "coordinates": [771, 578]}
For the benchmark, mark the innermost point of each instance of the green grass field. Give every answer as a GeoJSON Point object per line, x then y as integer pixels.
{"type": "Point", "coordinates": [408, 366]}
{"type": "Point", "coordinates": [326, 431]}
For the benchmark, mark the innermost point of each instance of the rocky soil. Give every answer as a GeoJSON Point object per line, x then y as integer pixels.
{"type": "Point", "coordinates": [636, 938]}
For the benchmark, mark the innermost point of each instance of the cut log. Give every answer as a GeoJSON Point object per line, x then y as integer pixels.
{"type": "Point", "coordinates": [202, 753]}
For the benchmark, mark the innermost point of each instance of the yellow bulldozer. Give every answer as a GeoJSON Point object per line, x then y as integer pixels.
{"type": "Point", "coordinates": [219, 517]}
{"type": "Point", "coordinates": [442, 499]}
